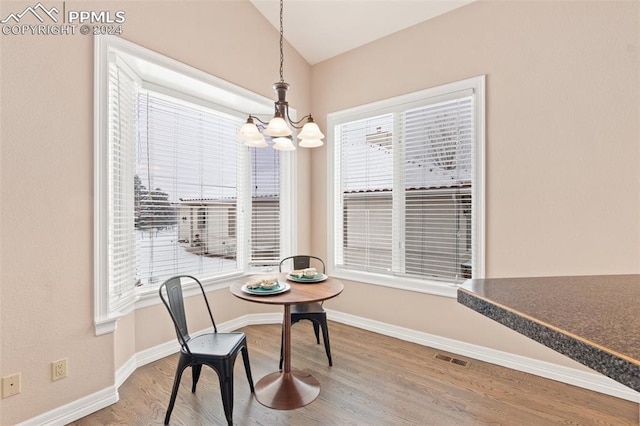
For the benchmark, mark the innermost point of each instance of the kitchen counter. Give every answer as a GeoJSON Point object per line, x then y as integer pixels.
{"type": "Point", "coordinates": [594, 320]}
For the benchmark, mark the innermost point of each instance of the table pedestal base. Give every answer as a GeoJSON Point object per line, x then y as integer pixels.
{"type": "Point", "coordinates": [287, 390]}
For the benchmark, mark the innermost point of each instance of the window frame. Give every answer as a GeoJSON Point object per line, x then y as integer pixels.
{"type": "Point", "coordinates": [396, 105]}
{"type": "Point", "coordinates": [159, 72]}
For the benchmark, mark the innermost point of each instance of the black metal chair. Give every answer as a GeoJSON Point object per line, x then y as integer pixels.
{"type": "Point", "coordinates": [313, 312]}
{"type": "Point", "coordinates": [217, 350]}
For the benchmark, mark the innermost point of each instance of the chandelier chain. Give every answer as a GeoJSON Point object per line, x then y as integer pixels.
{"type": "Point", "coordinates": [281, 43]}
{"type": "Point", "coordinates": [278, 127]}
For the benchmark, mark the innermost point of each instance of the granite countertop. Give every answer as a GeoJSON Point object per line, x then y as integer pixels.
{"type": "Point", "coordinates": [594, 320]}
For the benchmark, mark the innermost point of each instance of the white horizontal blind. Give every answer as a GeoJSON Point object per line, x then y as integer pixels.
{"type": "Point", "coordinates": [405, 202]}
{"type": "Point", "coordinates": [366, 168]}
{"type": "Point", "coordinates": [438, 178]}
{"type": "Point", "coordinates": [265, 206]}
{"type": "Point", "coordinates": [186, 190]}
{"type": "Point", "coordinates": [121, 265]}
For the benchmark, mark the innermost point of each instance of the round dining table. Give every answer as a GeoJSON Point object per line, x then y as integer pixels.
{"type": "Point", "coordinates": [289, 389]}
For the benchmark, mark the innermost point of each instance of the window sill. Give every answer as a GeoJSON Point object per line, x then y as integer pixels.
{"type": "Point", "coordinates": [150, 297]}
{"type": "Point", "coordinates": [419, 286]}
{"type": "Point", "coordinates": [109, 323]}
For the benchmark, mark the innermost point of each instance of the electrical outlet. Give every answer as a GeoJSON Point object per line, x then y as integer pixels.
{"type": "Point", "coordinates": [59, 369]}
{"type": "Point", "coordinates": [10, 385]}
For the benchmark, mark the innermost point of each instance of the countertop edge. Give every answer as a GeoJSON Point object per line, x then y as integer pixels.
{"type": "Point", "coordinates": [587, 353]}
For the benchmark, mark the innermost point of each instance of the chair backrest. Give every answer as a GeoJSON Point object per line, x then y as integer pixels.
{"type": "Point", "coordinates": [172, 297]}
{"type": "Point", "coordinates": [301, 262]}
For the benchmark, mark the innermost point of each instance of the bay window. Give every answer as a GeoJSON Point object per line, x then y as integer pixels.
{"type": "Point", "coordinates": [176, 192]}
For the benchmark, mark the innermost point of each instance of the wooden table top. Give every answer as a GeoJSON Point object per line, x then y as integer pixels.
{"type": "Point", "coordinates": [594, 320]}
{"type": "Point", "coordinates": [299, 293]}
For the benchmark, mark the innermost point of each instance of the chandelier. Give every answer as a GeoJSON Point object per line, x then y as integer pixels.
{"type": "Point", "coordinates": [278, 127]}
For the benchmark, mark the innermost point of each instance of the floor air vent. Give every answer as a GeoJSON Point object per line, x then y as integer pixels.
{"type": "Point", "coordinates": [456, 361]}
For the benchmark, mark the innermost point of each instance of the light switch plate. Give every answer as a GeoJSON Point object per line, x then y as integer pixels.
{"type": "Point", "coordinates": [10, 385]}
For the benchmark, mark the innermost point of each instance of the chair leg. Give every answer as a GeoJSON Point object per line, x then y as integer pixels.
{"type": "Point", "coordinates": [327, 345]}
{"type": "Point", "coordinates": [195, 373]}
{"type": "Point", "coordinates": [225, 376]}
{"type": "Point", "coordinates": [316, 331]}
{"type": "Point", "coordinates": [247, 367]}
{"type": "Point", "coordinates": [182, 364]}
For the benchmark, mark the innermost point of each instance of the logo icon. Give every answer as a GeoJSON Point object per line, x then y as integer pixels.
{"type": "Point", "coordinates": [38, 11]}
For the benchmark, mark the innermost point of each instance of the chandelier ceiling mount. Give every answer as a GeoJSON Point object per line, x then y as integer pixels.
{"type": "Point", "coordinates": [278, 127]}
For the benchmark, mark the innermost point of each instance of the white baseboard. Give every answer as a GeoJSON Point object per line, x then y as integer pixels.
{"type": "Point", "coordinates": [587, 380]}
{"type": "Point", "coordinates": [592, 381]}
{"type": "Point", "coordinates": [76, 409]}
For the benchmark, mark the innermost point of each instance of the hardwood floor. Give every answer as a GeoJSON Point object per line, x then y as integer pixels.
{"type": "Point", "coordinates": [375, 380]}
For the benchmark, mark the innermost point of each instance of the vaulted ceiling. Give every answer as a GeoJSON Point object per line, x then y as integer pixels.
{"type": "Point", "coordinates": [321, 29]}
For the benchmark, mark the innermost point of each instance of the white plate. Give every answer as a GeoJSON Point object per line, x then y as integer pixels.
{"type": "Point", "coordinates": [316, 279]}
{"type": "Point", "coordinates": [282, 287]}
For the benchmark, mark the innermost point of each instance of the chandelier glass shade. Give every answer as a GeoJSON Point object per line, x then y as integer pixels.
{"type": "Point", "coordinates": [279, 127]}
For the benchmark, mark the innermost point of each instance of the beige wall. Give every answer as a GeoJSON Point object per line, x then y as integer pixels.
{"type": "Point", "coordinates": [562, 165]}
{"type": "Point", "coordinates": [46, 185]}
{"type": "Point", "coordinates": [562, 145]}
{"type": "Point", "coordinates": [562, 123]}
